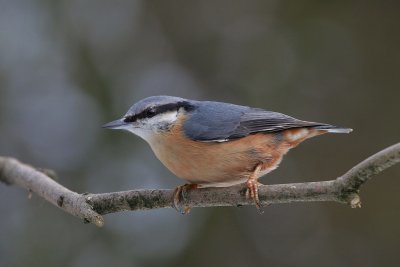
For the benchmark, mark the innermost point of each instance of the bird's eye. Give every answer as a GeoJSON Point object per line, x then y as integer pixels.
{"type": "Point", "coordinates": [151, 112]}
{"type": "Point", "coordinates": [130, 118]}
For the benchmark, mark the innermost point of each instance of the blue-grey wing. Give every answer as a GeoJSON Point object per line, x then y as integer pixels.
{"type": "Point", "coordinates": [218, 122]}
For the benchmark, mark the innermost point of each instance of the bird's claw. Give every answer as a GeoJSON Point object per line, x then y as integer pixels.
{"type": "Point", "coordinates": [252, 193]}
{"type": "Point", "coordinates": [252, 188]}
{"type": "Point", "coordinates": [180, 195]}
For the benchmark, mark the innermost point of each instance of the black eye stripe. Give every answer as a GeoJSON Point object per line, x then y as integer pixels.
{"type": "Point", "coordinates": [154, 111]}
{"type": "Point", "coordinates": [130, 118]}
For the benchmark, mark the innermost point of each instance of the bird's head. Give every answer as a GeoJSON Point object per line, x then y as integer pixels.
{"type": "Point", "coordinates": [152, 116]}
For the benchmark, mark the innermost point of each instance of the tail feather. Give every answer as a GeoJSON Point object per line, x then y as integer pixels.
{"type": "Point", "coordinates": [333, 129]}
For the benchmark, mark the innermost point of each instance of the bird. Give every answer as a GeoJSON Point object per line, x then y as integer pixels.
{"type": "Point", "coordinates": [216, 144]}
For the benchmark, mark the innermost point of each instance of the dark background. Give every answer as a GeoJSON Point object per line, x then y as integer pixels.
{"type": "Point", "coordinates": [67, 67]}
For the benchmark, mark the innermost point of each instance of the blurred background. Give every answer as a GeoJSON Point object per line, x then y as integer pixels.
{"type": "Point", "coordinates": [67, 67]}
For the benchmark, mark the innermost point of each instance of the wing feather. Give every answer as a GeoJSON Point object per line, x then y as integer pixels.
{"type": "Point", "coordinates": [220, 122]}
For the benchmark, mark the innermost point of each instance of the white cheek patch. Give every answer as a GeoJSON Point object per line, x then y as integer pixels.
{"type": "Point", "coordinates": [164, 118]}
{"type": "Point", "coordinates": [149, 128]}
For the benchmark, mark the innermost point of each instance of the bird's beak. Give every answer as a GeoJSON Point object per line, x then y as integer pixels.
{"type": "Point", "coordinates": [117, 124]}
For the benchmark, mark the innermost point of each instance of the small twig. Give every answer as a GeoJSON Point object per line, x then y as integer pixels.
{"type": "Point", "coordinates": [90, 207]}
{"type": "Point", "coordinates": [350, 183]}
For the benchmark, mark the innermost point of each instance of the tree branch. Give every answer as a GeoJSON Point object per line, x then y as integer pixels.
{"type": "Point", "coordinates": [17, 173]}
{"type": "Point", "coordinates": [90, 207]}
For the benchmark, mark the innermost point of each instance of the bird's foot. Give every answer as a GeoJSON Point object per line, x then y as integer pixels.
{"type": "Point", "coordinates": [179, 196]}
{"type": "Point", "coordinates": [252, 188]}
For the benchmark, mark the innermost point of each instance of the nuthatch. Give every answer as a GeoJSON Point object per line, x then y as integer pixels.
{"type": "Point", "coordinates": [215, 144]}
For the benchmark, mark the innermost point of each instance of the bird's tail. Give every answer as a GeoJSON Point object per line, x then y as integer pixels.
{"type": "Point", "coordinates": [332, 129]}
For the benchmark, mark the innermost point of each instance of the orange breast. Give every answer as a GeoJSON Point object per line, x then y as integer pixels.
{"type": "Point", "coordinates": [225, 163]}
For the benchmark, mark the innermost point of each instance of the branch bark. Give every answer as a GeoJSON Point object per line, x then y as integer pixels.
{"type": "Point", "coordinates": [90, 207]}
